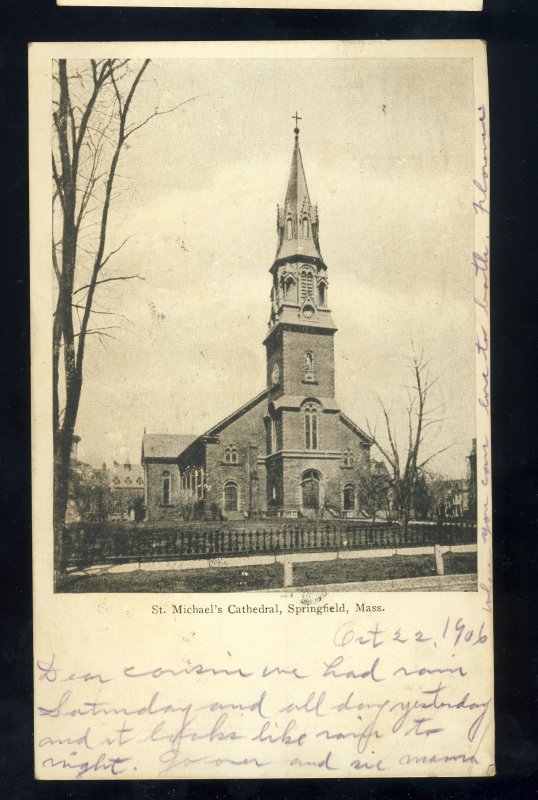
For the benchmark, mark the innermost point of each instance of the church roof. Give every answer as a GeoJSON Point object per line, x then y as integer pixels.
{"type": "Point", "coordinates": [355, 428]}
{"type": "Point", "coordinates": [165, 445]}
{"type": "Point", "coordinates": [229, 419]}
{"type": "Point", "coordinates": [236, 414]}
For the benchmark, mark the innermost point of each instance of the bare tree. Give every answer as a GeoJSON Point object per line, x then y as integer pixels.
{"type": "Point", "coordinates": [94, 116]}
{"type": "Point", "coordinates": [407, 463]}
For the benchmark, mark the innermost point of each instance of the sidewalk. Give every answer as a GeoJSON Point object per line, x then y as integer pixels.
{"type": "Point", "coordinates": [436, 583]}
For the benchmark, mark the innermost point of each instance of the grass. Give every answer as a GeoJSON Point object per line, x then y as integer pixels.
{"type": "Point", "coordinates": [380, 569]}
{"type": "Point", "coordinates": [229, 579]}
{"type": "Point", "coordinates": [242, 579]}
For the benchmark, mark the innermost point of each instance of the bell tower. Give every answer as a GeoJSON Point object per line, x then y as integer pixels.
{"type": "Point", "coordinates": [300, 341]}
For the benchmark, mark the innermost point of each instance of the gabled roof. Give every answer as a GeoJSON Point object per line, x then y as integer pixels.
{"type": "Point", "coordinates": [165, 445]}
{"type": "Point", "coordinates": [230, 418]}
{"type": "Point", "coordinates": [355, 428]}
{"type": "Point", "coordinates": [236, 414]}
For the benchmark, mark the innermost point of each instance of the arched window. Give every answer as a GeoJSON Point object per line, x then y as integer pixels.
{"type": "Point", "coordinates": [311, 427]}
{"type": "Point", "coordinates": [231, 455]}
{"type": "Point", "coordinates": [289, 228]}
{"type": "Point", "coordinates": [289, 288]}
{"type": "Point", "coordinates": [307, 284]}
{"type": "Point", "coordinates": [349, 497]}
{"type": "Point", "coordinates": [230, 496]}
{"type": "Point", "coordinates": [310, 490]}
{"type": "Point", "coordinates": [166, 488]}
{"type": "Point", "coordinates": [305, 228]}
{"type": "Point", "coordinates": [348, 458]}
{"type": "Point", "coordinates": [322, 292]}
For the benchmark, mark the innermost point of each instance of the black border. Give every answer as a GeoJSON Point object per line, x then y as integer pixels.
{"type": "Point", "coordinates": [510, 29]}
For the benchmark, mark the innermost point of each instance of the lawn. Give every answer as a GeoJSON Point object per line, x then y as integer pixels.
{"type": "Point", "coordinates": [242, 579]}
{"type": "Point", "coordinates": [230, 579]}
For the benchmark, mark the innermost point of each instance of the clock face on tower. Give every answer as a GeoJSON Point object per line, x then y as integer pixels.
{"type": "Point", "coordinates": [275, 374]}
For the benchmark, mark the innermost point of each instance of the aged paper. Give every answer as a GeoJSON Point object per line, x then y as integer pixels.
{"type": "Point", "coordinates": [371, 5]}
{"type": "Point", "coordinates": [263, 561]}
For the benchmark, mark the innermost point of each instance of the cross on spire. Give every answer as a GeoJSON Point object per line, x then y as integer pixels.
{"type": "Point", "coordinates": [296, 117]}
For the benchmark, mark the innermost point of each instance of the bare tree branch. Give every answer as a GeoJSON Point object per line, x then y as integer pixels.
{"type": "Point", "coordinates": [109, 280]}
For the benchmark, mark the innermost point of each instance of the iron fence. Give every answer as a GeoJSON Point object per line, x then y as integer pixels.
{"type": "Point", "coordinates": [88, 544]}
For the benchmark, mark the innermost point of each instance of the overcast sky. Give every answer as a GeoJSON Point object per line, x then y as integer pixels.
{"type": "Point", "coordinates": [387, 151]}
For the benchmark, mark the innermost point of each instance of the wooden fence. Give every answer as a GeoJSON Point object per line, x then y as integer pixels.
{"type": "Point", "coordinates": [88, 544]}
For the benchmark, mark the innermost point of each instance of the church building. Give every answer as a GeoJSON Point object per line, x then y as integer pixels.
{"type": "Point", "coordinates": [290, 451]}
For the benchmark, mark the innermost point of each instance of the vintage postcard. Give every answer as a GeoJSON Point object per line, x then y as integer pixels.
{"type": "Point", "coordinates": [365, 5]}
{"type": "Point", "coordinates": [261, 410]}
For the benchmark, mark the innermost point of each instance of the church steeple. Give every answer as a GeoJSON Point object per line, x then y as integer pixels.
{"type": "Point", "coordinates": [297, 219]}
{"type": "Point", "coordinates": [300, 349]}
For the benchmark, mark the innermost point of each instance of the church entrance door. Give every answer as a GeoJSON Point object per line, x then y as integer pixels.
{"type": "Point", "coordinates": [310, 491]}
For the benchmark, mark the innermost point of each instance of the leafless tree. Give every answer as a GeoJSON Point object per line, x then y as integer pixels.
{"type": "Point", "coordinates": [94, 116]}
{"type": "Point", "coordinates": [407, 463]}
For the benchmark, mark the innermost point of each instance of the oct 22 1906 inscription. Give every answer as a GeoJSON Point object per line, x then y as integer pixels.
{"type": "Point", "coordinates": [270, 429]}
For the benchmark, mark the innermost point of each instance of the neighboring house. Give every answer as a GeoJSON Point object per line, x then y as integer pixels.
{"type": "Point", "coordinates": [290, 450]}
{"type": "Point", "coordinates": [454, 499]}
{"type": "Point", "coordinates": [126, 485]}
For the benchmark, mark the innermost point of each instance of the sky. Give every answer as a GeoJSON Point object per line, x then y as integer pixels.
{"type": "Point", "coordinates": [387, 152]}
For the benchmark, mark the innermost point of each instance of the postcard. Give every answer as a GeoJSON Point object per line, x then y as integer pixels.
{"type": "Point", "coordinates": [262, 532]}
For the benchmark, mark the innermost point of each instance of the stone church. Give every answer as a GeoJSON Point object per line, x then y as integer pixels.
{"type": "Point", "coordinates": [290, 451]}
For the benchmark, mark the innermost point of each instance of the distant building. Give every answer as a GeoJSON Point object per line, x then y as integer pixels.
{"type": "Point", "coordinates": [454, 500]}
{"type": "Point", "coordinates": [457, 497]}
{"type": "Point", "coordinates": [126, 486]}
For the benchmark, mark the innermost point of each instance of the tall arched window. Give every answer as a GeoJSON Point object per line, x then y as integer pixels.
{"type": "Point", "coordinates": [322, 292]}
{"type": "Point", "coordinates": [307, 284]}
{"type": "Point", "coordinates": [289, 228]}
{"type": "Point", "coordinates": [166, 488]}
{"type": "Point", "coordinates": [230, 496]}
{"type": "Point", "coordinates": [305, 228]}
{"type": "Point", "coordinates": [289, 289]}
{"type": "Point", "coordinates": [310, 490]}
{"type": "Point", "coordinates": [311, 428]}
{"type": "Point", "coordinates": [349, 497]}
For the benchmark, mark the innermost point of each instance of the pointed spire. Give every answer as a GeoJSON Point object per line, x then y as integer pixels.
{"type": "Point", "coordinates": [298, 218]}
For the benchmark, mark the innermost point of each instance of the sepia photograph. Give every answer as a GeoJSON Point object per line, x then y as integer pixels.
{"type": "Point", "coordinates": [263, 324]}
{"type": "Point", "coordinates": [261, 424]}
